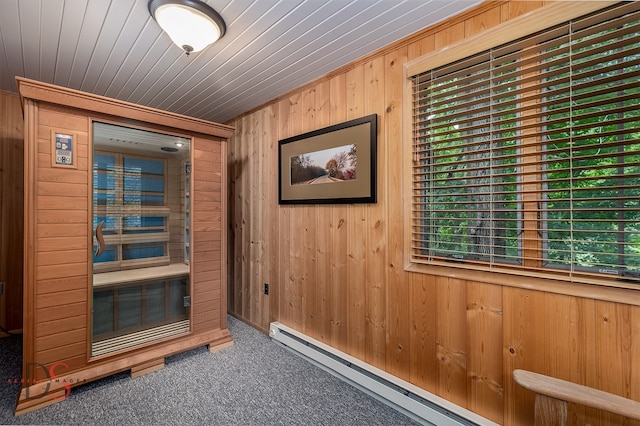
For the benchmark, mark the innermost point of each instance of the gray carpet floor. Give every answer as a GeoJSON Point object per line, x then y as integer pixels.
{"type": "Point", "coordinates": [254, 382]}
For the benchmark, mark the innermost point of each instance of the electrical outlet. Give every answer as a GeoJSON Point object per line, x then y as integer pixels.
{"type": "Point", "coordinates": [266, 288]}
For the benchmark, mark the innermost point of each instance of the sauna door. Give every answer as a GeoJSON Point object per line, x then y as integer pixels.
{"type": "Point", "coordinates": [140, 211]}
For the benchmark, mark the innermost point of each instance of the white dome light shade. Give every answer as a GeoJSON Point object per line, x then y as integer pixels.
{"type": "Point", "coordinates": [192, 25]}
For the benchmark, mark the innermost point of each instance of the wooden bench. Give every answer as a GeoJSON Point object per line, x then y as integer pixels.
{"type": "Point", "coordinates": [142, 274]}
{"type": "Point", "coordinates": [553, 394]}
{"type": "Point", "coordinates": [167, 319]}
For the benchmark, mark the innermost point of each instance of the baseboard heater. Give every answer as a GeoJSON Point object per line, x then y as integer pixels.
{"type": "Point", "coordinates": [416, 403]}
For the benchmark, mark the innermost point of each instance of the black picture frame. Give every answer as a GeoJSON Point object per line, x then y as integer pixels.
{"type": "Point", "coordinates": [347, 152]}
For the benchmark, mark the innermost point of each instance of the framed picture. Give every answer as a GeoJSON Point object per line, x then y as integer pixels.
{"type": "Point", "coordinates": [334, 165]}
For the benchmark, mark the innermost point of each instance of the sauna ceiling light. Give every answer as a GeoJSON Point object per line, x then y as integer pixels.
{"type": "Point", "coordinates": [191, 24]}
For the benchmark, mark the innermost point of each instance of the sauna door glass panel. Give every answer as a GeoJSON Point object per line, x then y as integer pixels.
{"type": "Point", "coordinates": [140, 212]}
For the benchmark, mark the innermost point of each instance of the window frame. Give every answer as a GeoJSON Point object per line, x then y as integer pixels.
{"type": "Point", "coordinates": [538, 20]}
{"type": "Point", "coordinates": [121, 210]}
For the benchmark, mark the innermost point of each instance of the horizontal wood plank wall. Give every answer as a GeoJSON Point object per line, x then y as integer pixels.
{"type": "Point", "coordinates": [61, 261]}
{"type": "Point", "coordinates": [336, 272]}
{"type": "Point", "coordinates": [11, 210]}
{"type": "Point", "coordinates": [208, 257]}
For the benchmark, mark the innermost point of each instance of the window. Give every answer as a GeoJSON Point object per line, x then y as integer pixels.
{"type": "Point", "coordinates": [130, 208]}
{"type": "Point", "coordinates": [527, 155]}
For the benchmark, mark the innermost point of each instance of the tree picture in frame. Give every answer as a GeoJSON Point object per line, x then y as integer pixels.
{"type": "Point", "coordinates": [333, 165]}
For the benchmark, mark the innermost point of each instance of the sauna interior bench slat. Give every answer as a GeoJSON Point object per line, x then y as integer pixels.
{"type": "Point", "coordinates": [143, 274]}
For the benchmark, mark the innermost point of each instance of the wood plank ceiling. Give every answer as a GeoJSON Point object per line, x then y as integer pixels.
{"type": "Point", "coordinates": [114, 48]}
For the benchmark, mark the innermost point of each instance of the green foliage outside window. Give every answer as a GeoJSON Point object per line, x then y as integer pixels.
{"type": "Point", "coordinates": [529, 154]}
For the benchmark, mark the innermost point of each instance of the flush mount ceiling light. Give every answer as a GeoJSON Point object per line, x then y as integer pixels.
{"type": "Point", "coordinates": [191, 24]}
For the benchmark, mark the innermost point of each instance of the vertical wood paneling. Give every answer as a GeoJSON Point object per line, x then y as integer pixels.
{"type": "Point", "coordinates": [308, 232]}
{"type": "Point", "coordinates": [356, 236]}
{"type": "Point", "coordinates": [514, 9]}
{"type": "Point", "coordinates": [482, 21]}
{"type": "Point", "coordinates": [484, 359]}
{"type": "Point", "coordinates": [273, 300]}
{"type": "Point", "coordinates": [422, 354]}
{"type": "Point", "coordinates": [261, 259]}
{"type": "Point", "coordinates": [524, 340]}
{"type": "Point", "coordinates": [11, 210]}
{"type": "Point", "coordinates": [356, 284]}
{"type": "Point", "coordinates": [451, 339]}
{"type": "Point", "coordinates": [30, 242]}
{"type": "Point", "coordinates": [399, 342]}
{"type": "Point", "coordinates": [376, 232]}
{"type": "Point", "coordinates": [618, 349]}
{"type": "Point", "coordinates": [245, 213]}
{"type": "Point", "coordinates": [338, 271]}
{"type": "Point", "coordinates": [421, 47]}
{"type": "Point", "coordinates": [296, 229]}
{"type": "Point", "coordinates": [583, 356]}
{"type": "Point", "coordinates": [235, 164]}
{"type": "Point", "coordinates": [339, 234]}
{"type": "Point", "coordinates": [284, 243]}
{"type": "Point", "coordinates": [449, 35]}
{"type": "Point", "coordinates": [253, 306]}
{"type": "Point", "coordinates": [571, 346]}
{"type": "Point", "coordinates": [323, 248]}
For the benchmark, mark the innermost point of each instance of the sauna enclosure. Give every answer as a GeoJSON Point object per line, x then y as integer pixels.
{"type": "Point", "coordinates": [125, 224]}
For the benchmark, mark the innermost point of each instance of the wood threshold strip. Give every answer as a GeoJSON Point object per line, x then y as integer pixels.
{"type": "Point", "coordinates": [553, 394]}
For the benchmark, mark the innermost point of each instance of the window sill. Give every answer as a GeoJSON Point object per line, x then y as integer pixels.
{"type": "Point", "coordinates": [597, 289]}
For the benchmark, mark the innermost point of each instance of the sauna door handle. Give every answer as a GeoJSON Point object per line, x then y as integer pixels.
{"type": "Point", "coordinates": [100, 239]}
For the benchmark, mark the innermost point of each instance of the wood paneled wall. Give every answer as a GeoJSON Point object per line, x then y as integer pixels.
{"type": "Point", "coordinates": [336, 272]}
{"type": "Point", "coordinates": [11, 211]}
